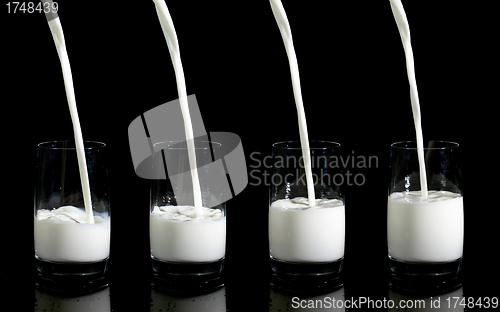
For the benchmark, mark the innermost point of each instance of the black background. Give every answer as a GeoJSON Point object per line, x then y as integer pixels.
{"type": "Point", "coordinates": [355, 92]}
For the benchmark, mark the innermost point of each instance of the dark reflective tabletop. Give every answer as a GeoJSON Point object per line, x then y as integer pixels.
{"type": "Point", "coordinates": [259, 293]}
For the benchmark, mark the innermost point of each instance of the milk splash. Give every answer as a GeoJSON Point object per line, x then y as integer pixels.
{"type": "Point", "coordinates": [173, 47]}
{"type": "Point", "coordinates": [404, 31]}
{"type": "Point", "coordinates": [286, 33]}
{"type": "Point", "coordinates": [58, 35]}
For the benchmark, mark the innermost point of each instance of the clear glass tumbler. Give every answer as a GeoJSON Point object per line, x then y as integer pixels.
{"type": "Point", "coordinates": [425, 235]}
{"type": "Point", "coordinates": [188, 245]}
{"type": "Point", "coordinates": [306, 244]}
{"type": "Point", "coordinates": [70, 251]}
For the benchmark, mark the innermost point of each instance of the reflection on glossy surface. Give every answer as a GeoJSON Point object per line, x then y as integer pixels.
{"type": "Point", "coordinates": [283, 301]}
{"type": "Point", "coordinates": [307, 283]}
{"type": "Point", "coordinates": [162, 300]}
{"type": "Point", "coordinates": [98, 301]}
{"type": "Point", "coordinates": [425, 284]}
{"type": "Point", "coordinates": [431, 303]}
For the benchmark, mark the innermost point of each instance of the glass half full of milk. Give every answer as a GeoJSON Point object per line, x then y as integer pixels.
{"type": "Point", "coordinates": [67, 245]}
{"type": "Point", "coordinates": [306, 241]}
{"type": "Point", "coordinates": [188, 243]}
{"type": "Point", "coordinates": [425, 235]}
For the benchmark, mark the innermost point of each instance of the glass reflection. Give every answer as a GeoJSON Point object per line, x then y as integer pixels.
{"type": "Point", "coordinates": [163, 300]}
{"type": "Point", "coordinates": [419, 302]}
{"type": "Point", "coordinates": [98, 301]}
{"type": "Point", "coordinates": [284, 301]}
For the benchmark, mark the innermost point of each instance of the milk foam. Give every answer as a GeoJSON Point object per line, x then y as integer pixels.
{"type": "Point", "coordinates": [415, 197]}
{"type": "Point", "coordinates": [430, 230]}
{"type": "Point", "coordinates": [187, 213]}
{"type": "Point", "coordinates": [301, 233]}
{"type": "Point", "coordinates": [302, 203]}
{"type": "Point", "coordinates": [66, 214]}
{"type": "Point", "coordinates": [64, 235]}
{"type": "Point", "coordinates": [179, 234]}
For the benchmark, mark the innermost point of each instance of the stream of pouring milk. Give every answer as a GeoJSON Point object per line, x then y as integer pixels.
{"type": "Point", "coordinates": [58, 35]}
{"type": "Point", "coordinates": [286, 33]}
{"type": "Point", "coordinates": [173, 47]}
{"type": "Point", "coordinates": [404, 30]}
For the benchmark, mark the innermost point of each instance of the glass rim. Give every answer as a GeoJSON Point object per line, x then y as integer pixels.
{"type": "Point", "coordinates": [440, 145]}
{"type": "Point", "coordinates": [71, 145]}
{"type": "Point", "coordinates": [284, 145]}
{"type": "Point", "coordinates": [211, 144]}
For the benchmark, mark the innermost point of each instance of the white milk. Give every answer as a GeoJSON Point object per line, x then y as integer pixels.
{"type": "Point", "coordinates": [63, 235]}
{"type": "Point", "coordinates": [58, 35]}
{"type": "Point", "coordinates": [173, 47]}
{"type": "Point", "coordinates": [178, 234]}
{"type": "Point", "coordinates": [286, 34]}
{"type": "Point", "coordinates": [430, 230]}
{"type": "Point", "coordinates": [404, 31]}
{"type": "Point", "coordinates": [300, 233]}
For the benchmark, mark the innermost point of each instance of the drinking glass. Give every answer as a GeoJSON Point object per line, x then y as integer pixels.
{"type": "Point", "coordinates": [70, 252]}
{"type": "Point", "coordinates": [187, 247]}
{"type": "Point", "coordinates": [425, 235]}
{"type": "Point", "coordinates": [306, 245]}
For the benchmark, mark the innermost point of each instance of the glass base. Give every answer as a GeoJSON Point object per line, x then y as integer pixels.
{"type": "Point", "coordinates": [306, 277]}
{"type": "Point", "coordinates": [422, 277]}
{"type": "Point", "coordinates": [72, 277]}
{"type": "Point", "coordinates": [186, 277]}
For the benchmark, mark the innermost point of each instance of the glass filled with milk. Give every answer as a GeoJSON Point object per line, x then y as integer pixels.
{"type": "Point", "coordinates": [188, 243]}
{"type": "Point", "coordinates": [425, 232]}
{"type": "Point", "coordinates": [306, 243]}
{"type": "Point", "coordinates": [71, 244]}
